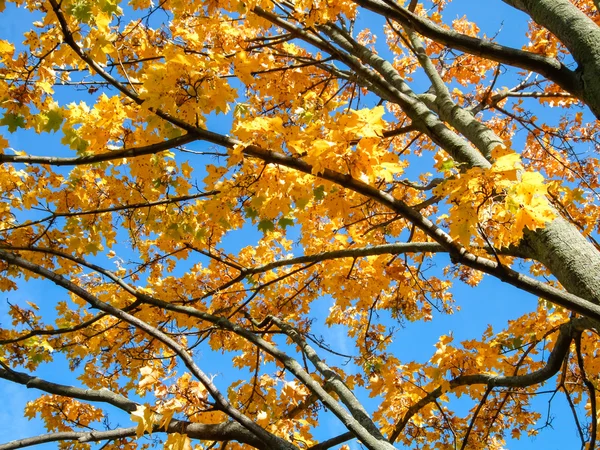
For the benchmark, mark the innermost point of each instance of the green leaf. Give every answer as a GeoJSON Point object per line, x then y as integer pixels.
{"type": "Point", "coordinates": [46, 345]}
{"type": "Point", "coordinates": [82, 11]}
{"type": "Point", "coordinates": [174, 231]}
{"type": "Point", "coordinates": [224, 223]}
{"type": "Point", "coordinates": [266, 225]}
{"type": "Point", "coordinates": [251, 213]}
{"type": "Point", "coordinates": [302, 202]}
{"type": "Point", "coordinates": [319, 192]}
{"type": "Point", "coordinates": [13, 121]}
{"type": "Point", "coordinates": [170, 131]}
{"type": "Point", "coordinates": [285, 222]}
{"type": "Point", "coordinates": [72, 139]}
{"type": "Point", "coordinates": [109, 6]}
{"type": "Point", "coordinates": [54, 120]}
{"type": "Point", "coordinates": [516, 343]}
{"type": "Point", "coordinates": [201, 234]}
{"type": "Point", "coordinates": [447, 165]}
{"type": "Point", "coordinates": [240, 110]}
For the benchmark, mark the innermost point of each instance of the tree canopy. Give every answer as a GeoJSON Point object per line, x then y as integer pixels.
{"type": "Point", "coordinates": [215, 182]}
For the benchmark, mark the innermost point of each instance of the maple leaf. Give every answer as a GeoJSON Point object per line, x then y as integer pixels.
{"type": "Point", "coordinates": [266, 225]}
{"type": "Point", "coordinates": [6, 48]}
{"type": "Point", "coordinates": [285, 222]}
{"type": "Point", "coordinates": [145, 420]}
{"type": "Point", "coordinates": [82, 10]}
{"type": "Point", "coordinates": [12, 121]}
{"type": "Point", "coordinates": [176, 441]}
{"type": "Point", "coordinates": [149, 377]}
{"type": "Point", "coordinates": [507, 163]}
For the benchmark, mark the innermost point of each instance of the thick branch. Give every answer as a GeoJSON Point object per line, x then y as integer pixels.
{"type": "Point", "coordinates": [579, 34]}
{"type": "Point", "coordinates": [332, 379]}
{"type": "Point", "coordinates": [333, 441]}
{"type": "Point", "coordinates": [414, 108]}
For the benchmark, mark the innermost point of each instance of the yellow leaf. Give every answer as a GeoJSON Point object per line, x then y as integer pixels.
{"type": "Point", "coordinates": [102, 22]}
{"type": "Point", "coordinates": [530, 186]}
{"type": "Point", "coordinates": [262, 418]}
{"type": "Point", "coordinates": [6, 50]}
{"type": "Point", "coordinates": [149, 377]}
{"type": "Point", "coordinates": [182, 59]}
{"type": "Point", "coordinates": [144, 418]}
{"type": "Point", "coordinates": [46, 345]}
{"type": "Point", "coordinates": [507, 162]}
{"type": "Point", "coordinates": [176, 441]}
{"type": "Point", "coordinates": [166, 418]}
{"type": "Point", "coordinates": [214, 174]}
{"type": "Point", "coordinates": [462, 226]}
{"type": "Point", "coordinates": [33, 305]}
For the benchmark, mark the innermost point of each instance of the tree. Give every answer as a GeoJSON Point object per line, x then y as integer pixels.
{"type": "Point", "coordinates": [182, 123]}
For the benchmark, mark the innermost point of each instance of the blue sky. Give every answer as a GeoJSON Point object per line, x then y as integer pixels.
{"type": "Point", "coordinates": [492, 302]}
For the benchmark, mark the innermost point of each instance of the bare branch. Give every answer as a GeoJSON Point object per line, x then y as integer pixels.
{"type": "Point", "coordinates": [93, 395]}
{"type": "Point", "coordinates": [591, 393]}
{"type": "Point", "coordinates": [166, 201]}
{"type": "Point", "coordinates": [223, 432]}
{"type": "Point", "coordinates": [108, 156]}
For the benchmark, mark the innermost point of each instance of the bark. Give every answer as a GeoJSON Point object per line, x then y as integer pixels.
{"type": "Point", "coordinates": [108, 156]}
{"type": "Point", "coordinates": [578, 33]}
{"type": "Point", "coordinates": [571, 258]}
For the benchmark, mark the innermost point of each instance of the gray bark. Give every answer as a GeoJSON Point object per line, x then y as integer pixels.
{"type": "Point", "coordinates": [571, 258]}
{"type": "Point", "coordinates": [578, 33]}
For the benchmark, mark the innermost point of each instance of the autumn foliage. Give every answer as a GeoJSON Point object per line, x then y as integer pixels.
{"type": "Point", "coordinates": [211, 190]}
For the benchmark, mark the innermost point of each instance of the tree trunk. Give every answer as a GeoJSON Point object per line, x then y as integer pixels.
{"type": "Point", "coordinates": [571, 258]}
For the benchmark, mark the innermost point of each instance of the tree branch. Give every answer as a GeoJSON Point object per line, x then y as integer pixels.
{"type": "Point", "coordinates": [344, 437]}
{"type": "Point", "coordinates": [332, 379]}
{"type": "Point", "coordinates": [108, 156]}
{"type": "Point", "coordinates": [555, 359]}
{"type": "Point", "coordinates": [56, 215]}
{"type": "Point", "coordinates": [93, 395]}
{"type": "Point", "coordinates": [223, 432]}
{"type": "Point", "coordinates": [544, 65]}
{"type": "Point", "coordinates": [580, 34]}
